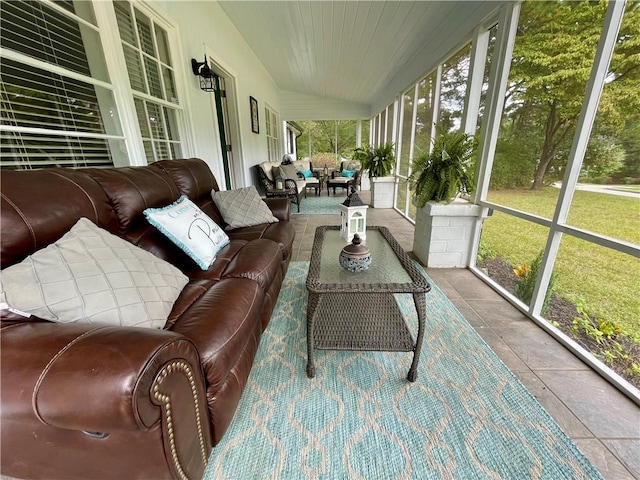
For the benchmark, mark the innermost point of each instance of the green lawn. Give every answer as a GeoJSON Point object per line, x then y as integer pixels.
{"type": "Point", "coordinates": [607, 281]}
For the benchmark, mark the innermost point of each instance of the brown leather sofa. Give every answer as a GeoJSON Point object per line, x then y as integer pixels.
{"type": "Point", "coordinates": [88, 402]}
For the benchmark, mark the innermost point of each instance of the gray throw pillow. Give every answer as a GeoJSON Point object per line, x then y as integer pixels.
{"type": "Point", "coordinates": [289, 171]}
{"type": "Point", "coordinates": [91, 276]}
{"type": "Point", "coordinates": [242, 207]}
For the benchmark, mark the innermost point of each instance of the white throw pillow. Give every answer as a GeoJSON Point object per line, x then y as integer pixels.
{"type": "Point", "coordinates": [190, 229]}
{"type": "Point", "coordinates": [242, 207]}
{"type": "Point", "coordinates": [91, 276]}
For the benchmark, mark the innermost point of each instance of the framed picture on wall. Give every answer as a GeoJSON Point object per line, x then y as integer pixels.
{"type": "Point", "coordinates": [255, 125]}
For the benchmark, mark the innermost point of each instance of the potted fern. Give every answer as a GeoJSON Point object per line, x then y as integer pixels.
{"type": "Point", "coordinates": [444, 225]}
{"type": "Point", "coordinates": [379, 162]}
{"type": "Point", "coordinates": [445, 173]}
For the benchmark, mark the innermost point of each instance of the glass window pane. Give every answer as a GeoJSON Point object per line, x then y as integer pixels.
{"type": "Point", "coordinates": [388, 137]}
{"type": "Point", "coordinates": [612, 160]}
{"type": "Point", "coordinates": [346, 141]}
{"type": "Point", "coordinates": [597, 303]}
{"type": "Point", "coordinates": [374, 125]}
{"type": "Point", "coordinates": [176, 150]}
{"type": "Point", "coordinates": [148, 150]}
{"type": "Point", "coordinates": [170, 122]}
{"type": "Point", "coordinates": [144, 32]}
{"type": "Point", "coordinates": [153, 77]}
{"type": "Point", "coordinates": [125, 22]}
{"type": "Point", "coordinates": [37, 30]}
{"type": "Point", "coordinates": [383, 126]}
{"type": "Point", "coordinates": [493, 33]}
{"type": "Point", "coordinates": [169, 85]}
{"type": "Point", "coordinates": [163, 45]}
{"type": "Point", "coordinates": [424, 117]}
{"type": "Point", "coordinates": [407, 122]}
{"type": "Point", "coordinates": [156, 121]}
{"type": "Point", "coordinates": [134, 69]}
{"type": "Point", "coordinates": [453, 89]}
{"type": "Point", "coordinates": [142, 118]}
{"type": "Point", "coordinates": [162, 150]}
{"type": "Point", "coordinates": [552, 60]}
{"type": "Point", "coordinates": [364, 135]}
{"type": "Point", "coordinates": [507, 244]}
{"type": "Point", "coordinates": [608, 212]}
{"type": "Point", "coordinates": [27, 151]}
{"type": "Point", "coordinates": [323, 143]}
{"type": "Point", "coordinates": [32, 97]}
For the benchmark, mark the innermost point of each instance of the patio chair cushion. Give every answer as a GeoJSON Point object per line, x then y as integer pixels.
{"type": "Point", "coordinates": [194, 232]}
{"type": "Point", "coordinates": [302, 165]}
{"type": "Point", "coordinates": [91, 276]}
{"type": "Point", "coordinates": [242, 207]}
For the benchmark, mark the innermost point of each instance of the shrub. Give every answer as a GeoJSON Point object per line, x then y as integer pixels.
{"type": "Point", "coordinates": [527, 275]}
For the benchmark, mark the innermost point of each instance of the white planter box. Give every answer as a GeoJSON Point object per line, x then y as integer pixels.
{"type": "Point", "coordinates": [444, 232]}
{"type": "Point", "coordinates": [382, 192]}
{"type": "Point", "coordinates": [365, 183]}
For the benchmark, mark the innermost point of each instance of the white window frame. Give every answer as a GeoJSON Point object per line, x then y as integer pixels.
{"type": "Point", "coordinates": [557, 226]}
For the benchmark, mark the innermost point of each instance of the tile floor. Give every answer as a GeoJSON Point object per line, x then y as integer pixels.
{"type": "Point", "coordinates": [604, 423]}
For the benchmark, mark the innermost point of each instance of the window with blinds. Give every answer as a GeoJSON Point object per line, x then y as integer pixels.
{"type": "Point", "coordinates": [54, 88]}
{"type": "Point", "coordinates": [151, 75]}
{"type": "Point", "coordinates": [273, 135]}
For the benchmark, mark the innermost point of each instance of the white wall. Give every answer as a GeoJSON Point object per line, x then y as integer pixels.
{"type": "Point", "coordinates": [205, 25]}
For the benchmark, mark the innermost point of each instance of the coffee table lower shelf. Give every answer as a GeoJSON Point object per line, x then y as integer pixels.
{"type": "Point", "coordinates": [356, 321]}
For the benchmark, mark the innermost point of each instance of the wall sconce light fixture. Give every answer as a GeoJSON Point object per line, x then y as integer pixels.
{"type": "Point", "coordinates": [207, 78]}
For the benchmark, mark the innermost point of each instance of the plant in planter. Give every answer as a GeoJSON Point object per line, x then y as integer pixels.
{"type": "Point", "coordinates": [445, 173]}
{"type": "Point", "coordinates": [437, 179]}
{"type": "Point", "coordinates": [379, 161]}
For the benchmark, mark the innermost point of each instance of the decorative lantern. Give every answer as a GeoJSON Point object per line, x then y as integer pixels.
{"type": "Point", "coordinates": [279, 183]}
{"type": "Point", "coordinates": [353, 217]}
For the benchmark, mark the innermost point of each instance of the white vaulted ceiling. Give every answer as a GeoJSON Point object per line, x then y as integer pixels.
{"type": "Point", "coordinates": [352, 50]}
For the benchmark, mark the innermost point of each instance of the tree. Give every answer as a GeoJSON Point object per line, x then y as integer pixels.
{"type": "Point", "coordinates": [552, 61]}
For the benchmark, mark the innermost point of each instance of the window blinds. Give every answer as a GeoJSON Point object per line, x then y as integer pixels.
{"type": "Point", "coordinates": [48, 119]}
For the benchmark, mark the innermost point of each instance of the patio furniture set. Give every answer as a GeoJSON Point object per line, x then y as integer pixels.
{"type": "Point", "coordinates": [295, 184]}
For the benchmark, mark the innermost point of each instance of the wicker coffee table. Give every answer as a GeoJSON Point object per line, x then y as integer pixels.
{"type": "Point", "coordinates": [358, 311]}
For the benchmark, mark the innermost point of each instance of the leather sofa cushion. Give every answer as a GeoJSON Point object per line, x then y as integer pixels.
{"type": "Point", "coordinates": [283, 233]}
{"type": "Point", "coordinates": [194, 178]}
{"type": "Point", "coordinates": [220, 322]}
{"type": "Point", "coordinates": [131, 190]}
{"type": "Point", "coordinates": [40, 206]}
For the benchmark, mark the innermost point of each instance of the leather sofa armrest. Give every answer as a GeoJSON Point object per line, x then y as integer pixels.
{"type": "Point", "coordinates": [104, 379]}
{"type": "Point", "coordinates": [281, 208]}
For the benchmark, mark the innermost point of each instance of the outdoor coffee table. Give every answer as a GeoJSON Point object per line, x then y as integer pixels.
{"type": "Point", "coordinates": [358, 311]}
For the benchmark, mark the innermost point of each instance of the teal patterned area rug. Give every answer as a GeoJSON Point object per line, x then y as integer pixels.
{"type": "Point", "coordinates": [320, 205]}
{"type": "Point", "coordinates": [466, 417]}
